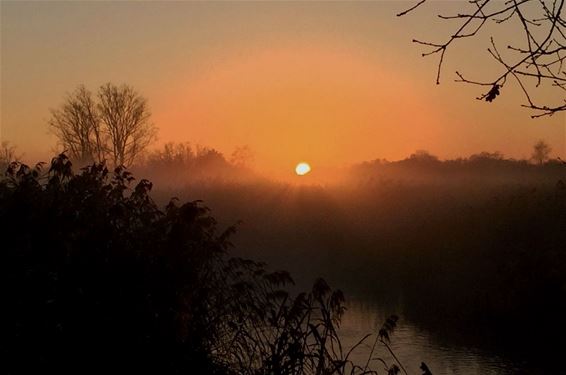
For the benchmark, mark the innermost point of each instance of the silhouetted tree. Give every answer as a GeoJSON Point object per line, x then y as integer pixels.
{"type": "Point", "coordinates": [486, 156]}
{"type": "Point", "coordinates": [541, 152]}
{"type": "Point", "coordinates": [77, 126]}
{"type": "Point", "coordinates": [209, 158]}
{"type": "Point", "coordinates": [533, 59]}
{"type": "Point", "coordinates": [179, 155]}
{"type": "Point", "coordinates": [114, 126]}
{"type": "Point", "coordinates": [423, 156]}
{"type": "Point", "coordinates": [125, 116]}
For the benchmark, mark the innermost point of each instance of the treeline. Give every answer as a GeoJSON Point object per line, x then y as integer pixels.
{"type": "Point", "coordinates": [177, 164]}
{"type": "Point", "coordinates": [489, 167]}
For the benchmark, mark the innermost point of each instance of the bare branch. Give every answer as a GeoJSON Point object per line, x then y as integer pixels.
{"type": "Point", "coordinates": [411, 8]}
{"type": "Point", "coordinates": [538, 63]}
{"type": "Point", "coordinates": [116, 127]}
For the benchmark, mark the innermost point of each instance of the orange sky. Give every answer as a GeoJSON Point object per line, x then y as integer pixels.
{"type": "Point", "coordinates": [319, 103]}
{"type": "Point", "coordinates": [329, 83]}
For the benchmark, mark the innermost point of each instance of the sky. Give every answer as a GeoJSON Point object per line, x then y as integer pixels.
{"type": "Point", "coordinates": [331, 83]}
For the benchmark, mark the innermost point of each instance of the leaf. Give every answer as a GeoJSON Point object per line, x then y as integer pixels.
{"type": "Point", "coordinates": [492, 94]}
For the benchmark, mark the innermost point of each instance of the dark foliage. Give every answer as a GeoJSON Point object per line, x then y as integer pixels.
{"type": "Point", "coordinates": [98, 279]}
{"type": "Point", "coordinates": [176, 164]}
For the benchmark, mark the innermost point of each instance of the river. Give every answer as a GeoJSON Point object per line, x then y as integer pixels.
{"type": "Point", "coordinates": [413, 345]}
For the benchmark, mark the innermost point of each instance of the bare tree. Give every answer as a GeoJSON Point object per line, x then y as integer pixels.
{"type": "Point", "coordinates": [541, 152]}
{"type": "Point", "coordinates": [535, 62]}
{"type": "Point", "coordinates": [76, 124]}
{"type": "Point", "coordinates": [125, 116]}
{"type": "Point", "coordinates": [115, 127]}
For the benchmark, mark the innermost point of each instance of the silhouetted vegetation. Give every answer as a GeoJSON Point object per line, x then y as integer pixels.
{"type": "Point", "coordinates": [7, 154]}
{"type": "Point", "coordinates": [112, 126]}
{"type": "Point", "coordinates": [481, 170]}
{"type": "Point", "coordinates": [99, 279]}
{"type": "Point", "coordinates": [533, 63]}
{"type": "Point", "coordinates": [174, 164]}
{"type": "Point", "coordinates": [541, 152]}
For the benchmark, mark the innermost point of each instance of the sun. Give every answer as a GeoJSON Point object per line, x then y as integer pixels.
{"type": "Point", "coordinates": [302, 168]}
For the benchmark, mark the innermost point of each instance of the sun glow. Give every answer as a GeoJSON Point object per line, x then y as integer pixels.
{"type": "Point", "coordinates": [302, 168]}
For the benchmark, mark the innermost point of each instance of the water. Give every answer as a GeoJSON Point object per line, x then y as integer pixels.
{"type": "Point", "coordinates": [413, 345]}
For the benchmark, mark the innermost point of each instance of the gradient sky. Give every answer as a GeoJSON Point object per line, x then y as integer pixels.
{"type": "Point", "coordinates": [331, 83]}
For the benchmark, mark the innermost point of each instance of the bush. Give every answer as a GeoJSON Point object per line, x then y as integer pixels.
{"type": "Point", "coordinates": [99, 275]}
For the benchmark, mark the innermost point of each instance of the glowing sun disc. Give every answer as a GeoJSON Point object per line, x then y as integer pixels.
{"type": "Point", "coordinates": [302, 168]}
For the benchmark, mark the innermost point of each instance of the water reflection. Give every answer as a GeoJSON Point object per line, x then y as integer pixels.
{"type": "Point", "coordinates": [413, 345]}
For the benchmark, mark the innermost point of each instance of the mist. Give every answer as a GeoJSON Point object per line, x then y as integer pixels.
{"type": "Point", "coordinates": [445, 239]}
{"type": "Point", "coordinates": [283, 188]}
